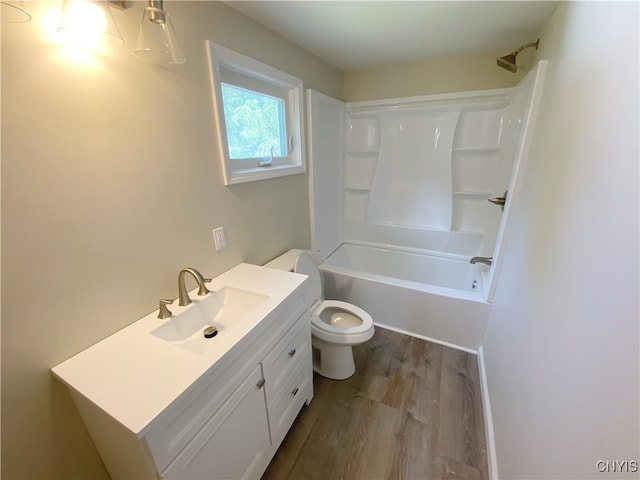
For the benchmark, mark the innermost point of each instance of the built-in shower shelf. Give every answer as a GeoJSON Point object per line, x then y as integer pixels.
{"type": "Point", "coordinates": [477, 149]}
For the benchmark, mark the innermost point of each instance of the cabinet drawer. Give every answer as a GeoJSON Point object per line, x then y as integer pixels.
{"type": "Point", "coordinates": [284, 409]}
{"type": "Point", "coordinates": [281, 362]}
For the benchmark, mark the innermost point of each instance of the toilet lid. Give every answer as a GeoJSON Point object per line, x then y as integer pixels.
{"type": "Point", "coordinates": [307, 266]}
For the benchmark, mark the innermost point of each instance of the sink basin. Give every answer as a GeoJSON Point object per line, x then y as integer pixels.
{"type": "Point", "coordinates": [223, 309]}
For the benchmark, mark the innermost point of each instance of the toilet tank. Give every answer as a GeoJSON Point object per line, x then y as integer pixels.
{"type": "Point", "coordinates": [286, 261]}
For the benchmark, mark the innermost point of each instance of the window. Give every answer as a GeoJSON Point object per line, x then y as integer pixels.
{"type": "Point", "coordinates": [258, 116]}
{"type": "Point", "coordinates": [255, 123]}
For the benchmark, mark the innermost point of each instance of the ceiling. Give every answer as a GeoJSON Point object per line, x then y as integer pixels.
{"type": "Point", "coordinates": [360, 34]}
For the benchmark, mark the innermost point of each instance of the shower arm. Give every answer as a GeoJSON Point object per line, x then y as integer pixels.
{"type": "Point", "coordinates": [526, 45]}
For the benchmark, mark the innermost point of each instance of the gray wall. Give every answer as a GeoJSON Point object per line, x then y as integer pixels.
{"type": "Point", "coordinates": [111, 183]}
{"type": "Point", "coordinates": [458, 73]}
{"type": "Point", "coordinates": [561, 349]}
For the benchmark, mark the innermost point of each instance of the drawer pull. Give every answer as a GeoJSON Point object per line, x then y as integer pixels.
{"type": "Point", "coordinates": [260, 383]}
{"type": "Point", "coordinates": [292, 352]}
{"type": "Point", "coordinates": [295, 391]}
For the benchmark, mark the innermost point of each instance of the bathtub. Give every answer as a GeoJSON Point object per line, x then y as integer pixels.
{"type": "Point", "coordinates": [434, 297]}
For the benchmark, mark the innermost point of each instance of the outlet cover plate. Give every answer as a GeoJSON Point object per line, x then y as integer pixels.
{"type": "Point", "coordinates": [219, 238]}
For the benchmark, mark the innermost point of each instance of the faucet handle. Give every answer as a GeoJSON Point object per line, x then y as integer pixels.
{"type": "Point", "coordinates": [203, 290]}
{"type": "Point", "coordinates": [163, 311]}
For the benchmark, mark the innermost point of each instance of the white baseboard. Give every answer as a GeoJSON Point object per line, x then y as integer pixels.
{"type": "Point", "coordinates": [488, 419]}
{"type": "Point", "coordinates": [422, 337]}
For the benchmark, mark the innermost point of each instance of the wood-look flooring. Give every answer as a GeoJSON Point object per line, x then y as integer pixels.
{"type": "Point", "coordinates": [412, 410]}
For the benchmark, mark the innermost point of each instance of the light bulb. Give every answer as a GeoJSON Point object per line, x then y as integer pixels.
{"type": "Point", "coordinates": [88, 23]}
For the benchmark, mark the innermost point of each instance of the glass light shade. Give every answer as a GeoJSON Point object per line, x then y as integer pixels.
{"type": "Point", "coordinates": [88, 22]}
{"type": "Point", "coordinates": [157, 40]}
{"type": "Point", "coordinates": [14, 12]}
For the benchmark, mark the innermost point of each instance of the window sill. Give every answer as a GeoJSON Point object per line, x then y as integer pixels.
{"type": "Point", "coordinates": [261, 173]}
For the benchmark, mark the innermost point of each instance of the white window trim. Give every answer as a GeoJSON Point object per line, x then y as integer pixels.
{"type": "Point", "coordinates": [223, 56]}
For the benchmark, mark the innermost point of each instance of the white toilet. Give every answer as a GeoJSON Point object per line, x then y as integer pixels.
{"type": "Point", "coordinates": [335, 326]}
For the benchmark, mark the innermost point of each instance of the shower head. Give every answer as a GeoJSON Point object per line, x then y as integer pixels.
{"type": "Point", "coordinates": [508, 62]}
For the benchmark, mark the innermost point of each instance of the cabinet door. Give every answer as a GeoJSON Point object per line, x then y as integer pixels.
{"type": "Point", "coordinates": [234, 443]}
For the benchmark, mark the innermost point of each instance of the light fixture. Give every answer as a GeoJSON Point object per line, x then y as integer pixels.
{"type": "Point", "coordinates": [88, 23]}
{"type": "Point", "coordinates": [157, 39]}
{"type": "Point", "coordinates": [14, 12]}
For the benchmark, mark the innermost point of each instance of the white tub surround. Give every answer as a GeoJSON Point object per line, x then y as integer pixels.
{"type": "Point", "coordinates": [156, 409]}
{"type": "Point", "coordinates": [418, 170]}
{"type": "Point", "coordinates": [456, 276]}
{"type": "Point", "coordinates": [432, 297]}
{"type": "Point", "coordinates": [414, 175]}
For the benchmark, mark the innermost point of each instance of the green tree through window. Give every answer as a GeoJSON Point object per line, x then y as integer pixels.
{"type": "Point", "coordinates": [255, 123]}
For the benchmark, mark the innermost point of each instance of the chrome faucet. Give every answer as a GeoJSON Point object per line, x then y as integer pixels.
{"type": "Point", "coordinates": [183, 295]}
{"type": "Point", "coordinates": [485, 260]}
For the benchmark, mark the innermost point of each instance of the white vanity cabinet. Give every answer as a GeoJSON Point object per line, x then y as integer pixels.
{"type": "Point", "coordinates": [167, 413]}
{"type": "Point", "coordinates": [242, 436]}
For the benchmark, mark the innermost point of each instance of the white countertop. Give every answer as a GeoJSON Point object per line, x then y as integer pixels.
{"type": "Point", "coordinates": [133, 375]}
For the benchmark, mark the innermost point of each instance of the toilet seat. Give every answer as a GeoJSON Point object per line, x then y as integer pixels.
{"type": "Point", "coordinates": [321, 308]}
{"type": "Point", "coordinates": [336, 334]}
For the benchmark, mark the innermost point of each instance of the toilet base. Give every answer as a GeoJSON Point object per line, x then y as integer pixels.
{"type": "Point", "coordinates": [331, 360]}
